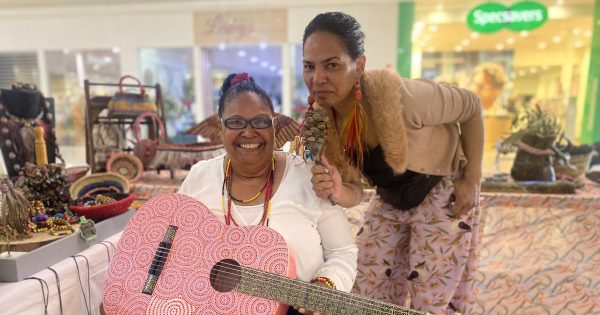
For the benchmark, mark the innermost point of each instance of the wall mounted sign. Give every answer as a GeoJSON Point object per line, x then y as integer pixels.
{"type": "Point", "coordinates": [492, 17]}
{"type": "Point", "coordinates": [240, 27]}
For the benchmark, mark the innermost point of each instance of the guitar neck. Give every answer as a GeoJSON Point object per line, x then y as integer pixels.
{"type": "Point", "coordinates": [311, 296]}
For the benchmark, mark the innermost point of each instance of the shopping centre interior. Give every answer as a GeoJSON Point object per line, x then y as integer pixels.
{"type": "Point", "coordinates": [540, 251]}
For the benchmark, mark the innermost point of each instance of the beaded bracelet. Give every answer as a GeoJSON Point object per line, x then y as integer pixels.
{"type": "Point", "coordinates": [326, 281]}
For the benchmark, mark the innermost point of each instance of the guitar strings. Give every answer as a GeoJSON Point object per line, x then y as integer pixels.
{"type": "Point", "coordinates": [351, 298]}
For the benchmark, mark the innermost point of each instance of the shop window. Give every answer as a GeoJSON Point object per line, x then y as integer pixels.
{"type": "Point", "coordinates": [67, 69]}
{"type": "Point", "coordinates": [262, 62]}
{"type": "Point", "coordinates": [487, 73]}
{"type": "Point", "coordinates": [18, 67]}
{"type": "Point", "coordinates": [172, 69]}
{"type": "Point", "coordinates": [299, 90]}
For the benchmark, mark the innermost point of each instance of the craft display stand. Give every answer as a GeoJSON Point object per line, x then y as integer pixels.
{"type": "Point", "coordinates": [23, 264]}
{"type": "Point", "coordinates": [95, 104]}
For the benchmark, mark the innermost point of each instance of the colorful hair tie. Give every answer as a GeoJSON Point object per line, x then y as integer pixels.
{"type": "Point", "coordinates": [240, 77]}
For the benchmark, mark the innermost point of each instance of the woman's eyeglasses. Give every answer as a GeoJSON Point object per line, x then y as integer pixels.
{"type": "Point", "coordinates": [256, 123]}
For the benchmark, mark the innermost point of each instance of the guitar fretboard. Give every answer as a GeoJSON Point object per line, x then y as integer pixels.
{"type": "Point", "coordinates": [314, 297]}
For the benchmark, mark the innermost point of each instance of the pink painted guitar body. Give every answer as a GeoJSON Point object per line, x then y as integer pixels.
{"type": "Point", "coordinates": [164, 259]}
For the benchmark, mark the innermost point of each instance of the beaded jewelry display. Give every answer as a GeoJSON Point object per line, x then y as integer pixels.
{"type": "Point", "coordinates": [17, 138]}
{"type": "Point", "coordinates": [267, 188]}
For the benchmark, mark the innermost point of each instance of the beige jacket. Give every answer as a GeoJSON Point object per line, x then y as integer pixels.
{"type": "Point", "coordinates": [416, 123]}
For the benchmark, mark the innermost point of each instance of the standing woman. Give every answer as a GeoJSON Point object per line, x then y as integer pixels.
{"type": "Point", "coordinates": [421, 145]}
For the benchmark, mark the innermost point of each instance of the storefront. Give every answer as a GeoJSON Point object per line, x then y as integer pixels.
{"type": "Point", "coordinates": [514, 54]}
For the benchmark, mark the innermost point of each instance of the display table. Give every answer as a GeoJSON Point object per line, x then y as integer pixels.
{"type": "Point", "coordinates": [539, 254]}
{"type": "Point", "coordinates": [25, 297]}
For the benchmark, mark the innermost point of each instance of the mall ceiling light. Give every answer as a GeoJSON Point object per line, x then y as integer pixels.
{"type": "Point", "coordinates": [439, 7]}
{"type": "Point", "coordinates": [116, 50]}
{"type": "Point", "coordinates": [510, 40]}
{"type": "Point", "coordinates": [241, 53]}
{"type": "Point", "coordinates": [474, 35]}
{"type": "Point", "coordinates": [522, 73]}
{"type": "Point", "coordinates": [578, 44]}
{"type": "Point", "coordinates": [524, 33]}
{"type": "Point", "coordinates": [499, 46]}
{"type": "Point", "coordinates": [465, 42]}
{"type": "Point", "coordinates": [264, 64]}
{"type": "Point", "coordinates": [430, 49]}
{"type": "Point", "coordinates": [262, 45]}
{"type": "Point", "coordinates": [273, 68]}
{"type": "Point", "coordinates": [587, 33]}
{"type": "Point", "coordinates": [556, 39]}
{"type": "Point", "coordinates": [432, 28]}
{"type": "Point", "coordinates": [66, 51]}
{"type": "Point", "coordinates": [545, 67]}
{"type": "Point", "coordinates": [254, 59]}
{"type": "Point", "coordinates": [542, 45]}
{"type": "Point", "coordinates": [533, 70]}
{"type": "Point", "coordinates": [576, 31]}
{"type": "Point", "coordinates": [560, 2]}
{"type": "Point", "coordinates": [222, 47]}
{"type": "Point", "coordinates": [458, 48]}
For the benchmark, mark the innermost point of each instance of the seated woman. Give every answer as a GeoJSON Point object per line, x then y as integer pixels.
{"type": "Point", "coordinates": [252, 184]}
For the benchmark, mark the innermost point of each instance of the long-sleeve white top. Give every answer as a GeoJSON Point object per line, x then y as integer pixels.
{"type": "Point", "coordinates": [317, 233]}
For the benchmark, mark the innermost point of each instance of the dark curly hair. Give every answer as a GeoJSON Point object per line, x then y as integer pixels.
{"type": "Point", "coordinates": [343, 26]}
{"type": "Point", "coordinates": [237, 83]}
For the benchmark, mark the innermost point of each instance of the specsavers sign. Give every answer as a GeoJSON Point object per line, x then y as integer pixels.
{"type": "Point", "coordinates": [522, 16]}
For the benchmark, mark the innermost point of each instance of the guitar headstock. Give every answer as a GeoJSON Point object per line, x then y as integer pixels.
{"type": "Point", "coordinates": [314, 134]}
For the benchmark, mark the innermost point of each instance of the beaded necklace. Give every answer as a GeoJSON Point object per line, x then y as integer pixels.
{"type": "Point", "coordinates": [267, 188]}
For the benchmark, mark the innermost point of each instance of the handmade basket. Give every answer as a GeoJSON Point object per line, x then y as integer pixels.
{"type": "Point", "coordinates": [99, 183]}
{"type": "Point", "coordinates": [74, 173]}
{"type": "Point", "coordinates": [126, 165]}
{"type": "Point", "coordinates": [581, 163]}
{"type": "Point", "coordinates": [104, 211]}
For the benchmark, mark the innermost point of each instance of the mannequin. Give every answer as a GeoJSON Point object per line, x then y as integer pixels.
{"type": "Point", "coordinates": [21, 109]}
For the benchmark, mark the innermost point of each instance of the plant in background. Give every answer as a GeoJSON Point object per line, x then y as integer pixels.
{"type": "Point", "coordinates": [536, 134]}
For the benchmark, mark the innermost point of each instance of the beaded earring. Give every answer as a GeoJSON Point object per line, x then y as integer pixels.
{"type": "Point", "coordinates": [353, 128]}
{"type": "Point", "coordinates": [311, 101]}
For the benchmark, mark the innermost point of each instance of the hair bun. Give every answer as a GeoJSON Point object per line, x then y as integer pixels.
{"type": "Point", "coordinates": [240, 77]}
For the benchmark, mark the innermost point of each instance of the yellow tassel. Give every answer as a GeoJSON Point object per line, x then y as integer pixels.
{"type": "Point", "coordinates": [352, 134]}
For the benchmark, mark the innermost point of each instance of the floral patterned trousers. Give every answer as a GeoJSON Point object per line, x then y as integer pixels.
{"type": "Point", "coordinates": [424, 254]}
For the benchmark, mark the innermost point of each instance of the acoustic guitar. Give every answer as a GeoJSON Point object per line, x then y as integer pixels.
{"type": "Point", "coordinates": [175, 257]}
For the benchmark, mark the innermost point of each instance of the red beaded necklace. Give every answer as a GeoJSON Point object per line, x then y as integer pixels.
{"type": "Point", "coordinates": [268, 189]}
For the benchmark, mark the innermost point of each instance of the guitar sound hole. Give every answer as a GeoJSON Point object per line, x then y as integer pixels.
{"type": "Point", "coordinates": [225, 275]}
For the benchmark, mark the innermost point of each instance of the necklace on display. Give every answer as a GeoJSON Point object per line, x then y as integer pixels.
{"type": "Point", "coordinates": [267, 188]}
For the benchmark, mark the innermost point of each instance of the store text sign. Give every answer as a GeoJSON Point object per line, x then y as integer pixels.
{"type": "Point", "coordinates": [522, 16]}
{"type": "Point", "coordinates": [240, 27]}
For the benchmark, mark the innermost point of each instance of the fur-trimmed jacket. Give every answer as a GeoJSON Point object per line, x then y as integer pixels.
{"type": "Point", "coordinates": [416, 122]}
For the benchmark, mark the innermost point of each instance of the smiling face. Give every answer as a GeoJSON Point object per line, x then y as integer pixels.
{"type": "Point", "coordinates": [329, 71]}
{"type": "Point", "coordinates": [249, 148]}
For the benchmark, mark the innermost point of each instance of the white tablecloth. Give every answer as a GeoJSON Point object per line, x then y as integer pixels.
{"type": "Point", "coordinates": [25, 297]}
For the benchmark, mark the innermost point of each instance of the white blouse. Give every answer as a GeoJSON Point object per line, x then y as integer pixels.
{"type": "Point", "coordinates": [317, 233]}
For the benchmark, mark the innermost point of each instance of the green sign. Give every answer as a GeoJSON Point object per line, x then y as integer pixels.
{"type": "Point", "coordinates": [522, 16]}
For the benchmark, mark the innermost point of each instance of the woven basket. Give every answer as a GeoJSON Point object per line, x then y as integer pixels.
{"type": "Point", "coordinates": [74, 173]}
{"type": "Point", "coordinates": [101, 212]}
{"type": "Point", "coordinates": [98, 183]}
{"type": "Point", "coordinates": [126, 165]}
{"type": "Point", "coordinates": [581, 163]}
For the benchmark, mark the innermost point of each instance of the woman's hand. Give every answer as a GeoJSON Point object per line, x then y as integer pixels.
{"type": "Point", "coordinates": [326, 180]}
{"type": "Point", "coordinates": [466, 193]}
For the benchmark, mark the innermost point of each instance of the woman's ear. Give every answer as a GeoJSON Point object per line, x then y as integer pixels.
{"type": "Point", "coordinates": [360, 65]}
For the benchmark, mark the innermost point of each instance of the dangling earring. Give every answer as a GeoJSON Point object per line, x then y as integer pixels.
{"type": "Point", "coordinates": [353, 128]}
{"type": "Point", "coordinates": [311, 101]}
